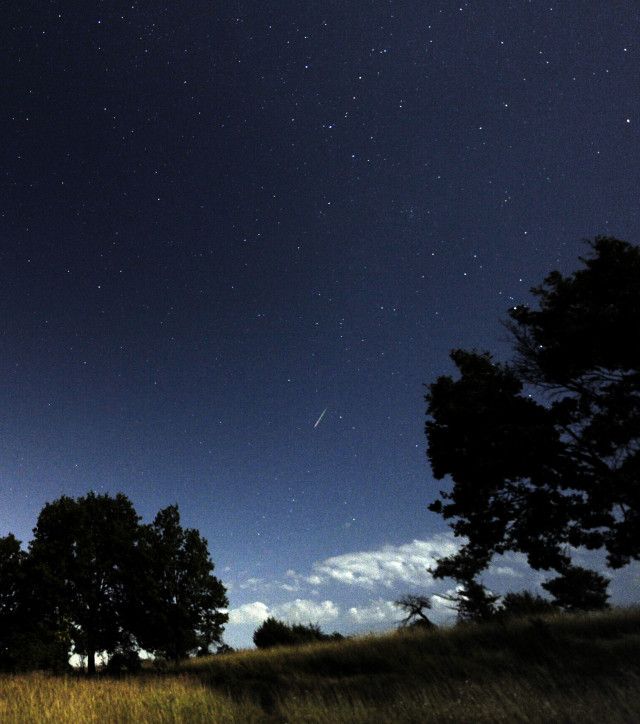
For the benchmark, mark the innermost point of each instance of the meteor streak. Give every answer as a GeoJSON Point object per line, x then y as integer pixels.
{"type": "Point", "coordinates": [320, 418]}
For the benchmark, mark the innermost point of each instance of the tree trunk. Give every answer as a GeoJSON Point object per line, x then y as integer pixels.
{"type": "Point", "coordinates": [91, 660]}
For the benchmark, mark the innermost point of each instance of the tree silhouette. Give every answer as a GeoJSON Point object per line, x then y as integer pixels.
{"type": "Point", "coordinates": [544, 452]}
{"type": "Point", "coordinates": [579, 589]}
{"type": "Point", "coordinates": [95, 580]}
{"type": "Point", "coordinates": [82, 553]}
{"type": "Point", "coordinates": [414, 607]}
{"type": "Point", "coordinates": [182, 597]}
{"type": "Point", "coordinates": [523, 603]}
{"type": "Point", "coordinates": [12, 559]}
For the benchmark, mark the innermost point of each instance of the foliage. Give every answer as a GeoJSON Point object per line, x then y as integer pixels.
{"type": "Point", "coordinates": [525, 603]}
{"type": "Point", "coordinates": [277, 633]}
{"type": "Point", "coordinates": [224, 649]}
{"type": "Point", "coordinates": [181, 595]}
{"type": "Point", "coordinates": [26, 641]}
{"type": "Point", "coordinates": [544, 452]}
{"type": "Point", "coordinates": [29, 639]}
{"type": "Point", "coordinates": [83, 551]}
{"type": "Point", "coordinates": [582, 347]}
{"type": "Point", "coordinates": [95, 580]}
{"type": "Point", "coordinates": [11, 561]}
{"type": "Point", "coordinates": [272, 632]}
{"type": "Point", "coordinates": [473, 602]}
{"type": "Point", "coordinates": [11, 565]}
{"type": "Point", "coordinates": [124, 660]}
{"type": "Point", "coordinates": [579, 589]}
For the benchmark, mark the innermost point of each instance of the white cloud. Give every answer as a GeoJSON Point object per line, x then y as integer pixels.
{"type": "Point", "coordinates": [376, 612]}
{"type": "Point", "coordinates": [298, 611]}
{"type": "Point", "coordinates": [306, 611]}
{"type": "Point", "coordinates": [390, 566]}
{"type": "Point", "coordinates": [255, 612]}
{"type": "Point", "coordinates": [295, 582]}
{"type": "Point", "coordinates": [506, 571]}
{"type": "Point", "coordinates": [254, 583]}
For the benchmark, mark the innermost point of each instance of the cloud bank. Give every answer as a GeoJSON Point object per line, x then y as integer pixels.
{"type": "Point", "coordinates": [389, 567]}
{"type": "Point", "coordinates": [299, 611]}
{"type": "Point", "coordinates": [331, 592]}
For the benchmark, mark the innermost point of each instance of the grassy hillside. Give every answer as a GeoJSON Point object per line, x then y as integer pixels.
{"type": "Point", "coordinates": [556, 669]}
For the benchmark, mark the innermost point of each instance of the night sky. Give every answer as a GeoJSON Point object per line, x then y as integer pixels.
{"type": "Point", "coordinates": [218, 219]}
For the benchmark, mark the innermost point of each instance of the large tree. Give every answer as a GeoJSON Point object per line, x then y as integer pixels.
{"type": "Point", "coordinates": [544, 452]}
{"type": "Point", "coordinates": [11, 563]}
{"type": "Point", "coordinates": [12, 559]}
{"type": "Point", "coordinates": [28, 640]}
{"type": "Point", "coordinates": [30, 637]}
{"type": "Point", "coordinates": [182, 598]}
{"type": "Point", "coordinates": [95, 580]}
{"type": "Point", "coordinates": [83, 560]}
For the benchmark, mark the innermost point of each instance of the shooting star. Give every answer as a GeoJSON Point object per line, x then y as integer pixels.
{"type": "Point", "coordinates": [320, 418]}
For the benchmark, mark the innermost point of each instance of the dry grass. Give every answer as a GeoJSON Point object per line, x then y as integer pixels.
{"type": "Point", "coordinates": [40, 698]}
{"type": "Point", "coordinates": [557, 669]}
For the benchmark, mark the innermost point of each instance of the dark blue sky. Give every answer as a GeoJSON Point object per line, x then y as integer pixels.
{"type": "Point", "coordinates": [219, 219]}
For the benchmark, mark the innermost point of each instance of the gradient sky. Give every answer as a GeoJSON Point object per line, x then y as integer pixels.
{"type": "Point", "coordinates": [218, 219]}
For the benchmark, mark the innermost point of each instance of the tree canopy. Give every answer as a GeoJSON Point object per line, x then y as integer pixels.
{"type": "Point", "coordinates": [183, 598]}
{"type": "Point", "coordinates": [83, 551]}
{"type": "Point", "coordinates": [544, 451]}
{"type": "Point", "coordinates": [94, 579]}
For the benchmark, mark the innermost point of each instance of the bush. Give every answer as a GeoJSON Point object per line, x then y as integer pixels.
{"type": "Point", "coordinates": [224, 649]}
{"type": "Point", "coordinates": [525, 603]}
{"type": "Point", "coordinates": [277, 633]}
{"type": "Point", "coordinates": [124, 660]}
{"type": "Point", "coordinates": [579, 589]}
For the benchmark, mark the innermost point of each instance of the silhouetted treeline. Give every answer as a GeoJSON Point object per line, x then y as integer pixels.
{"type": "Point", "coordinates": [94, 579]}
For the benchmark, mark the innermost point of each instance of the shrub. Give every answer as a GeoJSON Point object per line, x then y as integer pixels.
{"type": "Point", "coordinates": [224, 649]}
{"type": "Point", "coordinates": [579, 589]}
{"type": "Point", "coordinates": [277, 633]}
{"type": "Point", "coordinates": [124, 659]}
{"type": "Point", "coordinates": [524, 603]}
